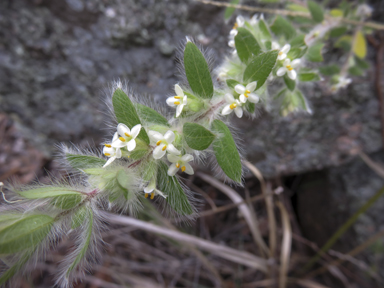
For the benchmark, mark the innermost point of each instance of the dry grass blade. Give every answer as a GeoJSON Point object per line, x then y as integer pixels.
{"type": "Point", "coordinates": [248, 215]}
{"type": "Point", "coordinates": [269, 204]}
{"type": "Point", "coordinates": [285, 246]}
{"type": "Point", "coordinates": [306, 283]}
{"type": "Point", "coordinates": [373, 165]}
{"type": "Point", "coordinates": [228, 253]}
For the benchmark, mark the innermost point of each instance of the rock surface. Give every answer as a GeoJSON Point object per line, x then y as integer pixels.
{"type": "Point", "coordinates": [56, 58]}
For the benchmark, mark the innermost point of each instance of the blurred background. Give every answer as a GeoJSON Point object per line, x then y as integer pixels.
{"type": "Point", "coordinates": [57, 59]}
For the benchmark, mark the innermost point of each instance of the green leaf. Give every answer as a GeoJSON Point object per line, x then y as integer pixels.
{"type": "Point", "coordinates": [291, 84]}
{"type": "Point", "coordinates": [66, 202]}
{"type": "Point", "coordinates": [47, 192]}
{"type": "Point", "coordinates": [8, 274]}
{"type": "Point", "coordinates": [360, 45]}
{"type": "Point", "coordinates": [150, 116]}
{"type": "Point", "coordinates": [295, 53]}
{"type": "Point", "coordinates": [355, 71]}
{"type": "Point", "coordinates": [171, 186]}
{"type": "Point", "coordinates": [344, 42]}
{"type": "Point", "coordinates": [197, 71]}
{"type": "Point", "coordinates": [338, 31]}
{"type": "Point", "coordinates": [298, 41]}
{"type": "Point", "coordinates": [250, 107]}
{"type": "Point", "coordinates": [361, 63]}
{"type": "Point", "coordinates": [330, 70]}
{"type": "Point", "coordinates": [83, 247]}
{"type": "Point", "coordinates": [281, 27]}
{"type": "Point", "coordinates": [197, 137]}
{"type": "Point", "coordinates": [300, 101]}
{"type": "Point", "coordinates": [296, 7]}
{"type": "Point", "coordinates": [308, 76]}
{"type": "Point", "coordinates": [79, 217]}
{"type": "Point", "coordinates": [231, 83]}
{"type": "Point", "coordinates": [149, 170]}
{"type": "Point", "coordinates": [336, 13]}
{"type": "Point", "coordinates": [260, 68]}
{"type": "Point", "coordinates": [314, 53]}
{"type": "Point", "coordinates": [78, 161]}
{"type": "Point", "coordinates": [226, 151]}
{"type": "Point", "coordinates": [94, 171]}
{"type": "Point", "coordinates": [316, 11]}
{"type": "Point", "coordinates": [230, 10]}
{"type": "Point", "coordinates": [25, 233]}
{"type": "Point", "coordinates": [264, 30]}
{"type": "Point", "coordinates": [246, 45]}
{"type": "Point", "coordinates": [126, 113]}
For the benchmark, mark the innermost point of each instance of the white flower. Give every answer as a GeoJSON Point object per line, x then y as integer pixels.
{"type": "Point", "coordinates": [239, 23]}
{"type": "Point", "coordinates": [179, 101]}
{"type": "Point", "coordinates": [364, 10]}
{"type": "Point", "coordinates": [246, 92]}
{"type": "Point", "coordinates": [151, 189]}
{"type": "Point", "coordinates": [111, 152]}
{"type": "Point", "coordinates": [255, 19]}
{"type": "Point", "coordinates": [231, 43]}
{"type": "Point", "coordinates": [288, 68]}
{"type": "Point", "coordinates": [127, 136]}
{"type": "Point", "coordinates": [233, 105]}
{"type": "Point", "coordinates": [275, 45]}
{"type": "Point", "coordinates": [343, 82]}
{"type": "Point", "coordinates": [180, 162]}
{"type": "Point", "coordinates": [283, 52]}
{"type": "Point", "coordinates": [163, 143]}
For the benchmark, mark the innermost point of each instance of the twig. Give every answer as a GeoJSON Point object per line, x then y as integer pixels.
{"type": "Point", "coordinates": [373, 25]}
{"type": "Point", "coordinates": [228, 253]}
{"type": "Point", "coordinates": [376, 167]}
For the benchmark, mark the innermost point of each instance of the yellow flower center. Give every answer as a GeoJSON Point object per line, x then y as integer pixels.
{"type": "Point", "coordinates": [177, 165]}
{"type": "Point", "coordinates": [246, 93]}
{"type": "Point", "coordinates": [107, 154]}
{"type": "Point", "coordinates": [152, 195]}
{"type": "Point", "coordinates": [177, 102]}
{"type": "Point", "coordinates": [165, 147]}
{"type": "Point", "coordinates": [108, 145]}
{"type": "Point", "coordinates": [183, 168]}
{"type": "Point", "coordinates": [126, 134]}
{"type": "Point", "coordinates": [235, 25]}
{"type": "Point", "coordinates": [177, 97]}
{"type": "Point", "coordinates": [158, 143]}
{"type": "Point", "coordinates": [280, 53]}
{"type": "Point", "coordinates": [122, 139]}
{"type": "Point", "coordinates": [233, 106]}
{"type": "Point", "coordinates": [289, 67]}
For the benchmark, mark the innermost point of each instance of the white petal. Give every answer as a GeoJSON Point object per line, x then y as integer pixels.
{"type": "Point", "coordinates": [292, 74]}
{"type": "Point", "coordinates": [135, 130]}
{"type": "Point", "coordinates": [275, 45]}
{"type": "Point", "coordinates": [254, 19]}
{"type": "Point", "coordinates": [240, 89]}
{"type": "Point", "coordinates": [110, 160]}
{"type": "Point", "coordinates": [229, 98]}
{"type": "Point", "coordinates": [188, 169]}
{"type": "Point", "coordinates": [179, 109]}
{"type": "Point", "coordinates": [282, 56]}
{"type": "Point", "coordinates": [233, 32]}
{"type": "Point", "coordinates": [251, 86]}
{"type": "Point", "coordinates": [158, 192]}
{"type": "Point", "coordinates": [131, 145]}
{"type": "Point", "coordinates": [109, 150]}
{"type": "Point", "coordinates": [179, 91]}
{"type": "Point", "coordinates": [171, 101]}
{"type": "Point", "coordinates": [155, 136]}
{"type": "Point", "coordinates": [240, 20]}
{"type": "Point", "coordinates": [119, 144]}
{"type": "Point", "coordinates": [295, 63]}
{"type": "Point", "coordinates": [281, 71]}
{"type": "Point", "coordinates": [226, 110]}
{"type": "Point", "coordinates": [253, 98]}
{"type": "Point", "coordinates": [169, 136]}
{"type": "Point", "coordinates": [172, 149]}
{"type": "Point", "coordinates": [185, 100]}
{"type": "Point", "coordinates": [122, 129]}
{"type": "Point", "coordinates": [172, 170]}
{"type": "Point", "coordinates": [231, 43]}
{"type": "Point", "coordinates": [149, 188]}
{"type": "Point", "coordinates": [285, 48]}
{"type": "Point", "coordinates": [115, 136]}
{"type": "Point", "coordinates": [287, 62]}
{"type": "Point", "coordinates": [242, 98]}
{"type": "Point", "coordinates": [238, 112]}
{"type": "Point", "coordinates": [187, 158]}
{"type": "Point", "coordinates": [173, 158]}
{"type": "Point", "coordinates": [118, 153]}
{"type": "Point", "coordinates": [158, 152]}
